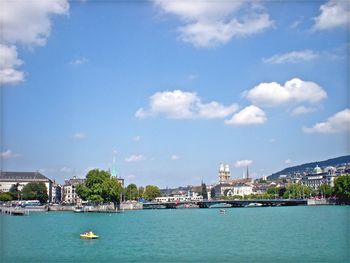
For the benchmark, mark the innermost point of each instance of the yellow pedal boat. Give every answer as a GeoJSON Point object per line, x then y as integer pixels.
{"type": "Point", "coordinates": [89, 235]}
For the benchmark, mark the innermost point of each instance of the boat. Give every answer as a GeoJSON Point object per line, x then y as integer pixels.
{"type": "Point", "coordinates": [89, 235]}
{"type": "Point", "coordinates": [253, 205]}
{"type": "Point", "coordinates": [220, 205]}
{"type": "Point", "coordinates": [222, 211]}
{"type": "Point", "coordinates": [78, 210]}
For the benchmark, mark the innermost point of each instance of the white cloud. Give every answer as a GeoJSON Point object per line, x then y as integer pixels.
{"type": "Point", "coordinates": [174, 157]}
{"type": "Point", "coordinates": [272, 140]}
{"type": "Point", "coordinates": [334, 14]}
{"type": "Point", "coordinates": [292, 57]}
{"type": "Point", "coordinates": [28, 22]}
{"type": "Point", "coordinates": [79, 135]}
{"type": "Point", "coordinates": [24, 23]}
{"type": "Point", "coordinates": [295, 24]}
{"type": "Point", "coordinates": [192, 77]}
{"type": "Point", "coordinates": [214, 33]}
{"type": "Point", "coordinates": [243, 163]}
{"type": "Point", "coordinates": [8, 154]}
{"type": "Point", "coordinates": [302, 110]}
{"type": "Point", "coordinates": [130, 176]}
{"type": "Point", "coordinates": [66, 169]}
{"type": "Point", "coordinates": [78, 61]}
{"type": "Point", "coordinates": [339, 122]}
{"type": "Point", "coordinates": [9, 61]}
{"type": "Point", "coordinates": [135, 158]}
{"type": "Point", "coordinates": [212, 23]}
{"type": "Point", "coordinates": [288, 161]}
{"type": "Point", "coordinates": [249, 115]}
{"type": "Point", "coordinates": [180, 104]}
{"type": "Point", "coordinates": [294, 90]}
{"type": "Point", "coordinates": [137, 138]}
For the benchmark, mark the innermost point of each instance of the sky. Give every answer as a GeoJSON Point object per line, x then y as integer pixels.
{"type": "Point", "coordinates": [171, 89]}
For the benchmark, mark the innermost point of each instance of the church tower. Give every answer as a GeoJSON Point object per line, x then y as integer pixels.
{"type": "Point", "coordinates": [114, 168]}
{"type": "Point", "coordinates": [224, 173]}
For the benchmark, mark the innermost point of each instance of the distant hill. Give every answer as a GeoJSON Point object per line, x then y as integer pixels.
{"type": "Point", "coordinates": [308, 166]}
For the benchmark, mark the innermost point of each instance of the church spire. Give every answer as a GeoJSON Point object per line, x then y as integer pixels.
{"type": "Point", "coordinates": [114, 168]}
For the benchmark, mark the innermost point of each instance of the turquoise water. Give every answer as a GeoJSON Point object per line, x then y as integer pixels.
{"type": "Point", "coordinates": [273, 234]}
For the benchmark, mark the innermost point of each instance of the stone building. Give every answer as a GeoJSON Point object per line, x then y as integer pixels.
{"type": "Point", "coordinates": [8, 179]}
{"type": "Point", "coordinates": [69, 191]}
{"type": "Point", "coordinates": [224, 173]}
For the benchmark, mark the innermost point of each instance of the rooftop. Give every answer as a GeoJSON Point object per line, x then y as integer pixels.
{"type": "Point", "coordinates": [31, 176]}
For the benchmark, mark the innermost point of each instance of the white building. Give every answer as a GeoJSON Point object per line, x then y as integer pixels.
{"type": "Point", "coordinates": [8, 179]}
{"type": "Point", "coordinates": [69, 191]}
{"type": "Point", "coordinates": [241, 190]}
{"type": "Point", "coordinates": [179, 198]}
{"type": "Point", "coordinates": [320, 177]}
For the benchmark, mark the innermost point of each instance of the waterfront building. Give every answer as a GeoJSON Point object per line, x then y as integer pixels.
{"type": "Point", "coordinates": [241, 190]}
{"type": "Point", "coordinates": [180, 198]}
{"type": "Point", "coordinates": [56, 193]}
{"type": "Point", "coordinates": [8, 179]}
{"type": "Point", "coordinates": [222, 189]}
{"type": "Point", "coordinates": [69, 191]}
{"type": "Point", "coordinates": [320, 177]}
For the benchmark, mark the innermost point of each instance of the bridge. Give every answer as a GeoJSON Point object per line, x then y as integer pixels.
{"type": "Point", "coordinates": [223, 203]}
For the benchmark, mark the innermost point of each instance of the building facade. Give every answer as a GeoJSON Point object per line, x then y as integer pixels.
{"type": "Point", "coordinates": [319, 177]}
{"type": "Point", "coordinates": [9, 179]}
{"type": "Point", "coordinates": [69, 191]}
{"type": "Point", "coordinates": [56, 193]}
{"type": "Point", "coordinates": [224, 174]}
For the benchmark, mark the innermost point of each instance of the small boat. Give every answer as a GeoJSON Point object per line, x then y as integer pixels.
{"type": "Point", "coordinates": [78, 209]}
{"type": "Point", "coordinates": [89, 235]}
{"type": "Point", "coordinates": [253, 205]}
{"type": "Point", "coordinates": [222, 211]}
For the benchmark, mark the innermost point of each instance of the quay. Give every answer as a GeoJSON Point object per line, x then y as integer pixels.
{"type": "Point", "coordinates": [226, 203]}
{"type": "Point", "coordinates": [14, 211]}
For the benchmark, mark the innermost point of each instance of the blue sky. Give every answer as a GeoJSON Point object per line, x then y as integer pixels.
{"type": "Point", "coordinates": [173, 88]}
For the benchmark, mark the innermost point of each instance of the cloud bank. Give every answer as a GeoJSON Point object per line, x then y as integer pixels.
{"type": "Point", "coordinates": [26, 23]}
{"type": "Point", "coordinates": [334, 13]}
{"type": "Point", "coordinates": [207, 24]}
{"type": "Point", "coordinates": [180, 104]}
{"type": "Point", "coordinates": [339, 122]}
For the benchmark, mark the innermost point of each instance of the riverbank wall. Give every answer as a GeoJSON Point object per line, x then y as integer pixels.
{"type": "Point", "coordinates": [324, 201]}
{"type": "Point", "coordinates": [131, 206]}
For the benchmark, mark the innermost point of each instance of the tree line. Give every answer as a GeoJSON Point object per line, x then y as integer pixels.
{"type": "Point", "coordinates": [340, 190]}
{"type": "Point", "coordinates": [101, 187]}
{"type": "Point", "coordinates": [31, 191]}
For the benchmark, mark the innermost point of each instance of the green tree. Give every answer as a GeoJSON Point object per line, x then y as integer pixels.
{"type": "Point", "coordinates": [151, 192]}
{"type": "Point", "coordinates": [204, 191]}
{"type": "Point", "coordinates": [111, 191]}
{"type": "Point", "coordinates": [100, 187]}
{"type": "Point", "coordinates": [83, 191]}
{"type": "Point", "coordinates": [281, 191]}
{"type": "Point", "coordinates": [297, 191]}
{"type": "Point", "coordinates": [35, 191]}
{"type": "Point", "coordinates": [4, 197]}
{"type": "Point", "coordinates": [96, 177]}
{"type": "Point", "coordinates": [131, 192]}
{"type": "Point", "coordinates": [141, 190]}
{"type": "Point", "coordinates": [212, 192]}
{"type": "Point", "coordinates": [273, 191]}
{"type": "Point", "coordinates": [15, 192]}
{"type": "Point", "coordinates": [342, 188]}
{"type": "Point", "coordinates": [325, 190]}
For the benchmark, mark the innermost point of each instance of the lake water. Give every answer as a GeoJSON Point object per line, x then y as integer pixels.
{"type": "Point", "coordinates": [271, 234]}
